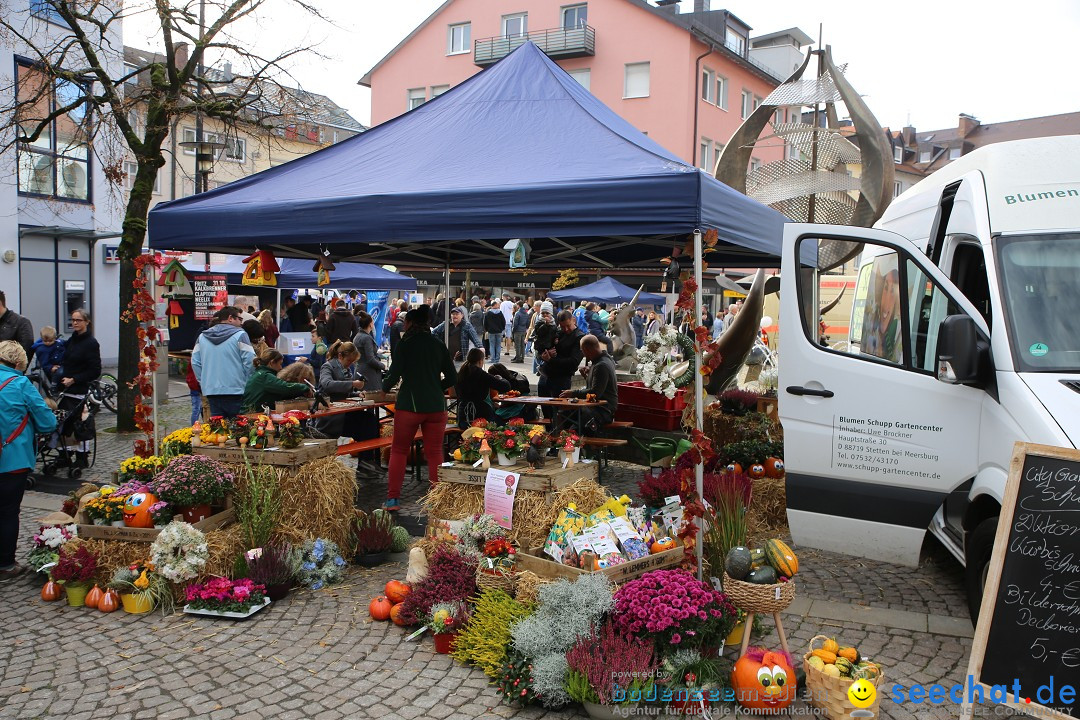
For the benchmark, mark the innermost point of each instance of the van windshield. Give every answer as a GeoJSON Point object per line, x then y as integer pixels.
{"type": "Point", "coordinates": [1041, 286]}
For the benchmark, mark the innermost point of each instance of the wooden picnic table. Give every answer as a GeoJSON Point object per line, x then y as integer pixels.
{"type": "Point", "coordinates": [571, 407]}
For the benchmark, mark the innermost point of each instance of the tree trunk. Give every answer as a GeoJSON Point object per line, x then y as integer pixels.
{"type": "Point", "coordinates": [131, 243]}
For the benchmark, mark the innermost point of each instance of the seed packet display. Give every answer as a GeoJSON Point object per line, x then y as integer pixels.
{"type": "Point", "coordinates": [583, 551]}
{"type": "Point", "coordinates": [605, 546]}
{"type": "Point", "coordinates": [569, 521]}
{"type": "Point", "coordinates": [631, 543]}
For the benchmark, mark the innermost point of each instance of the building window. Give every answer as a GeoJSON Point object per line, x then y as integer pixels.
{"type": "Point", "coordinates": [57, 162]}
{"type": "Point", "coordinates": [898, 154]}
{"type": "Point", "coordinates": [721, 92]}
{"type": "Point", "coordinates": [717, 151]}
{"type": "Point", "coordinates": [131, 75]}
{"type": "Point", "coordinates": [754, 164]}
{"type": "Point", "coordinates": [898, 188]}
{"type": "Point", "coordinates": [416, 98]}
{"type": "Point", "coordinates": [708, 86]}
{"type": "Point", "coordinates": [747, 103]}
{"type": "Point", "coordinates": [757, 102]}
{"type": "Point", "coordinates": [133, 120]}
{"type": "Point", "coordinates": [735, 42]}
{"type": "Point", "coordinates": [130, 170]}
{"type": "Point", "coordinates": [515, 25]}
{"type": "Point", "coordinates": [575, 16]}
{"type": "Point", "coordinates": [45, 10]}
{"type": "Point", "coordinates": [925, 155]}
{"type": "Point", "coordinates": [955, 153]}
{"type": "Point", "coordinates": [458, 39]}
{"type": "Point", "coordinates": [636, 80]}
{"type": "Point", "coordinates": [236, 148]}
{"type": "Point", "coordinates": [584, 77]}
{"type": "Point", "coordinates": [705, 153]}
{"type": "Point", "coordinates": [437, 90]}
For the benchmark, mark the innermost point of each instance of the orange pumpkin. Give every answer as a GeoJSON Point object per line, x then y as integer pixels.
{"type": "Point", "coordinates": [662, 544]}
{"type": "Point", "coordinates": [51, 591]}
{"type": "Point", "coordinates": [764, 680]}
{"type": "Point", "coordinates": [93, 597]}
{"type": "Point", "coordinates": [109, 602]}
{"type": "Point", "coordinates": [397, 591]}
{"type": "Point", "coordinates": [774, 467]}
{"type": "Point", "coordinates": [757, 471]}
{"type": "Point", "coordinates": [137, 510]}
{"type": "Point", "coordinates": [380, 608]}
{"type": "Point", "coordinates": [395, 615]}
{"type": "Point", "coordinates": [734, 467]}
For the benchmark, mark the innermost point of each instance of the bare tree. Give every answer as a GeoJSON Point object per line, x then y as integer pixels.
{"type": "Point", "coordinates": [78, 83]}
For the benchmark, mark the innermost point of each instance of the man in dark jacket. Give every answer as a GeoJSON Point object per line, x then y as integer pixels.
{"type": "Point", "coordinates": [397, 328]}
{"type": "Point", "coordinates": [519, 331]}
{"type": "Point", "coordinates": [341, 325]}
{"type": "Point", "coordinates": [561, 361]}
{"type": "Point", "coordinates": [494, 325]}
{"type": "Point", "coordinates": [462, 334]}
{"type": "Point", "coordinates": [15, 327]}
{"type": "Point", "coordinates": [600, 381]}
{"type": "Point", "coordinates": [638, 323]}
{"type": "Point", "coordinates": [300, 315]}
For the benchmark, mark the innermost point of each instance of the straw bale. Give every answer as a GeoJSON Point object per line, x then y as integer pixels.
{"type": "Point", "coordinates": [768, 509]}
{"type": "Point", "coordinates": [528, 587]}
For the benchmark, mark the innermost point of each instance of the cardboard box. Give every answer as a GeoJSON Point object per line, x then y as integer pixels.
{"type": "Point", "coordinates": [549, 478]}
{"type": "Point", "coordinates": [276, 456]}
{"type": "Point", "coordinates": [533, 559]}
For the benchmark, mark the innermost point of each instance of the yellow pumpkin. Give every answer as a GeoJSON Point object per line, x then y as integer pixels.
{"type": "Point", "coordinates": [831, 646]}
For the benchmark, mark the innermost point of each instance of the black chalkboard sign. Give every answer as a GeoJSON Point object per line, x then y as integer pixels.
{"type": "Point", "coordinates": [1026, 652]}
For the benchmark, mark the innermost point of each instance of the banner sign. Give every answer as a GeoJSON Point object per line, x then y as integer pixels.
{"type": "Point", "coordinates": [211, 294]}
{"type": "Point", "coordinates": [376, 307]}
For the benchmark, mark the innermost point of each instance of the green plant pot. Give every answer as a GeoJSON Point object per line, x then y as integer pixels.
{"type": "Point", "coordinates": [76, 593]}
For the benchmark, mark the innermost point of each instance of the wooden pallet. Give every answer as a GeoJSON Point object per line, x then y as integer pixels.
{"type": "Point", "coordinates": [549, 478]}
{"type": "Point", "coordinates": [148, 535]}
{"type": "Point", "coordinates": [276, 456]}
{"type": "Point", "coordinates": [535, 560]}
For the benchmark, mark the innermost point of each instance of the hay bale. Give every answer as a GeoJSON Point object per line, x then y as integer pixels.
{"type": "Point", "coordinates": [528, 587]}
{"type": "Point", "coordinates": [768, 509]}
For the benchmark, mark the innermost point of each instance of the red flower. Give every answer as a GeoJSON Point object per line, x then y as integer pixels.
{"type": "Point", "coordinates": [509, 443]}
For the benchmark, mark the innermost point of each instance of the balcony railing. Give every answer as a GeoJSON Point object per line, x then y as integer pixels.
{"type": "Point", "coordinates": [556, 42]}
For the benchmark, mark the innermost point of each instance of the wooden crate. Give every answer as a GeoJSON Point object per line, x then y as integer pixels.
{"type": "Point", "coordinates": [549, 478]}
{"type": "Point", "coordinates": [276, 456]}
{"type": "Point", "coordinates": [148, 535]}
{"type": "Point", "coordinates": [768, 406]}
{"type": "Point", "coordinates": [535, 560]}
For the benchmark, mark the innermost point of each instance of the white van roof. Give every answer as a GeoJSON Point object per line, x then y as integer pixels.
{"type": "Point", "coordinates": [1031, 185]}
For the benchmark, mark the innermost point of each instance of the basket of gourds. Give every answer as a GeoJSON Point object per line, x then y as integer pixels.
{"type": "Point", "coordinates": [761, 580]}
{"type": "Point", "coordinates": [831, 669]}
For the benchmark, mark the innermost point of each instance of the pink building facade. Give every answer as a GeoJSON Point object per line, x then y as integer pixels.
{"type": "Point", "coordinates": [687, 80]}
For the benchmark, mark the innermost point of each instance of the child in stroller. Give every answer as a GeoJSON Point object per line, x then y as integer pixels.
{"type": "Point", "coordinates": [73, 445]}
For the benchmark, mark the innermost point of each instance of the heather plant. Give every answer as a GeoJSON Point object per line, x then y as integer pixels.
{"type": "Point", "coordinates": [738, 402]}
{"type": "Point", "coordinates": [451, 576]}
{"type": "Point", "coordinates": [608, 667]}
{"type": "Point", "coordinates": [269, 565]}
{"type": "Point", "coordinates": [566, 612]}
{"type": "Point", "coordinates": [675, 610]}
{"type": "Point", "coordinates": [373, 533]}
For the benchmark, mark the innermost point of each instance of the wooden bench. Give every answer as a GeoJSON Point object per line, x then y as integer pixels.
{"type": "Point", "coordinates": [619, 425]}
{"type": "Point", "coordinates": [601, 445]}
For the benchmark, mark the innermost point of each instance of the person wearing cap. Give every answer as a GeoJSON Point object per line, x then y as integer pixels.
{"type": "Point", "coordinates": [519, 331]}
{"type": "Point", "coordinates": [462, 334]}
{"type": "Point", "coordinates": [23, 414]}
{"type": "Point", "coordinates": [223, 359]}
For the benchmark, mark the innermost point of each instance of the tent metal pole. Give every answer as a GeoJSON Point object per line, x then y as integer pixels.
{"type": "Point", "coordinates": [277, 310]}
{"type": "Point", "coordinates": [446, 310]}
{"type": "Point", "coordinates": [699, 391]}
{"type": "Point", "coordinates": [153, 379]}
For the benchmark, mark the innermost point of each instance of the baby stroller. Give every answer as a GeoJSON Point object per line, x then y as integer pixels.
{"type": "Point", "coordinates": [75, 418]}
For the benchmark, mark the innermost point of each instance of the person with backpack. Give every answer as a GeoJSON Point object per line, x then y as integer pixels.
{"type": "Point", "coordinates": [494, 325]}
{"type": "Point", "coordinates": [23, 414]}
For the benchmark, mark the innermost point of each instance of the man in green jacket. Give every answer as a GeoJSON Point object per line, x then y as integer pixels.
{"type": "Point", "coordinates": [424, 367]}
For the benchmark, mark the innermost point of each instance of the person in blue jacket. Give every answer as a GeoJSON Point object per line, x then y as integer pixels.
{"type": "Point", "coordinates": [224, 359]}
{"type": "Point", "coordinates": [49, 351]}
{"type": "Point", "coordinates": [23, 414]}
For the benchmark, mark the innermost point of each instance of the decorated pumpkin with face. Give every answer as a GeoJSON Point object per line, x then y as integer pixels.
{"type": "Point", "coordinates": [137, 510]}
{"type": "Point", "coordinates": [764, 680]}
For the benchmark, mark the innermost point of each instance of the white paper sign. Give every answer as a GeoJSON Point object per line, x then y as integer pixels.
{"type": "Point", "coordinates": [500, 489]}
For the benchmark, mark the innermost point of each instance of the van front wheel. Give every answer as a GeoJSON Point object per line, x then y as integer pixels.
{"type": "Point", "coordinates": [978, 548]}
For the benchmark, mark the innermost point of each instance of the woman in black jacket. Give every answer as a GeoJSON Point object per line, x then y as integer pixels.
{"type": "Point", "coordinates": [82, 366]}
{"type": "Point", "coordinates": [473, 388]}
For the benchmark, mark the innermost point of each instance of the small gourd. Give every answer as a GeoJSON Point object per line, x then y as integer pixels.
{"type": "Point", "coordinates": [774, 468]}
{"type": "Point", "coordinates": [661, 545]}
{"type": "Point", "coordinates": [781, 557]}
{"type": "Point", "coordinates": [395, 615]}
{"type": "Point", "coordinates": [845, 666]}
{"type": "Point", "coordinates": [93, 597]}
{"type": "Point", "coordinates": [418, 566]}
{"type": "Point", "coordinates": [756, 471]}
{"type": "Point", "coordinates": [51, 591]}
{"type": "Point", "coordinates": [763, 575]}
{"type": "Point", "coordinates": [826, 656]}
{"type": "Point", "coordinates": [830, 645]}
{"type": "Point", "coordinates": [396, 591]}
{"type": "Point", "coordinates": [109, 602]}
{"type": "Point", "coordinates": [734, 468]}
{"type": "Point", "coordinates": [379, 608]}
{"type": "Point", "coordinates": [738, 562]}
{"type": "Point", "coordinates": [848, 652]}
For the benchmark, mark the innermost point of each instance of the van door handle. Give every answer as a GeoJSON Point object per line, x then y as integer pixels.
{"type": "Point", "coordinates": [799, 390]}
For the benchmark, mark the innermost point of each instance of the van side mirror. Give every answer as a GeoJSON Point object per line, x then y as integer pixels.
{"type": "Point", "coordinates": [958, 353]}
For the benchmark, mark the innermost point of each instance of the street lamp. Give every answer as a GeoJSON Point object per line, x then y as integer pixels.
{"type": "Point", "coordinates": [206, 151]}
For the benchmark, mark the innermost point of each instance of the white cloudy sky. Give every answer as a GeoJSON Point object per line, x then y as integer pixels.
{"type": "Point", "coordinates": [923, 60]}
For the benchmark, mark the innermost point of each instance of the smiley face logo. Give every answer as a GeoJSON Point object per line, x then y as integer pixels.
{"type": "Point", "coordinates": [862, 693]}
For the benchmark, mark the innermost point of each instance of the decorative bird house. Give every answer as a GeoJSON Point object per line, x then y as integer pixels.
{"type": "Point", "coordinates": [174, 282]}
{"type": "Point", "coordinates": [323, 266]}
{"type": "Point", "coordinates": [261, 266]}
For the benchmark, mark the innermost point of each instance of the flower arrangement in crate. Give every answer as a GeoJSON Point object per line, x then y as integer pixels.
{"type": "Point", "coordinates": [508, 440]}
{"type": "Point", "coordinates": [239, 428]}
{"type": "Point", "coordinates": [472, 439]}
{"type": "Point", "coordinates": [257, 434]}
{"type": "Point", "coordinates": [498, 556]}
{"type": "Point", "coordinates": [225, 595]}
{"type": "Point", "coordinates": [609, 668]}
{"type": "Point", "coordinates": [149, 588]}
{"type": "Point", "coordinates": [675, 610]}
{"type": "Point", "coordinates": [566, 437]}
{"type": "Point", "coordinates": [289, 433]}
{"type": "Point", "coordinates": [178, 442]}
{"type": "Point", "coordinates": [318, 563]}
{"type": "Point", "coordinates": [47, 543]}
{"type": "Point", "coordinates": [106, 508]}
{"type": "Point", "coordinates": [139, 469]}
{"type": "Point", "coordinates": [215, 432]}
{"type": "Point", "coordinates": [161, 513]}
{"type": "Point", "coordinates": [191, 480]}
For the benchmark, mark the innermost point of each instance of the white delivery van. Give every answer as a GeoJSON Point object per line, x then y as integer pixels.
{"type": "Point", "coordinates": [965, 337]}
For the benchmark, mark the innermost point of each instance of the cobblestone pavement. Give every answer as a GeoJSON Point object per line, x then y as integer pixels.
{"type": "Point", "coordinates": [317, 654]}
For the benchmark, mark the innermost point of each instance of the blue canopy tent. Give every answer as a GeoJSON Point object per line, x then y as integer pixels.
{"type": "Point", "coordinates": [607, 290]}
{"type": "Point", "coordinates": [296, 273]}
{"type": "Point", "coordinates": [519, 150]}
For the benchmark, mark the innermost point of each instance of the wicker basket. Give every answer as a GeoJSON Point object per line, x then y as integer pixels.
{"type": "Point", "coordinates": [503, 578]}
{"type": "Point", "coordinates": [830, 694]}
{"type": "Point", "coordinates": [754, 598]}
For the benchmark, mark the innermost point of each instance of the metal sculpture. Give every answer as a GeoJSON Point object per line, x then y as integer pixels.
{"type": "Point", "coordinates": [813, 185]}
{"type": "Point", "coordinates": [624, 339]}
